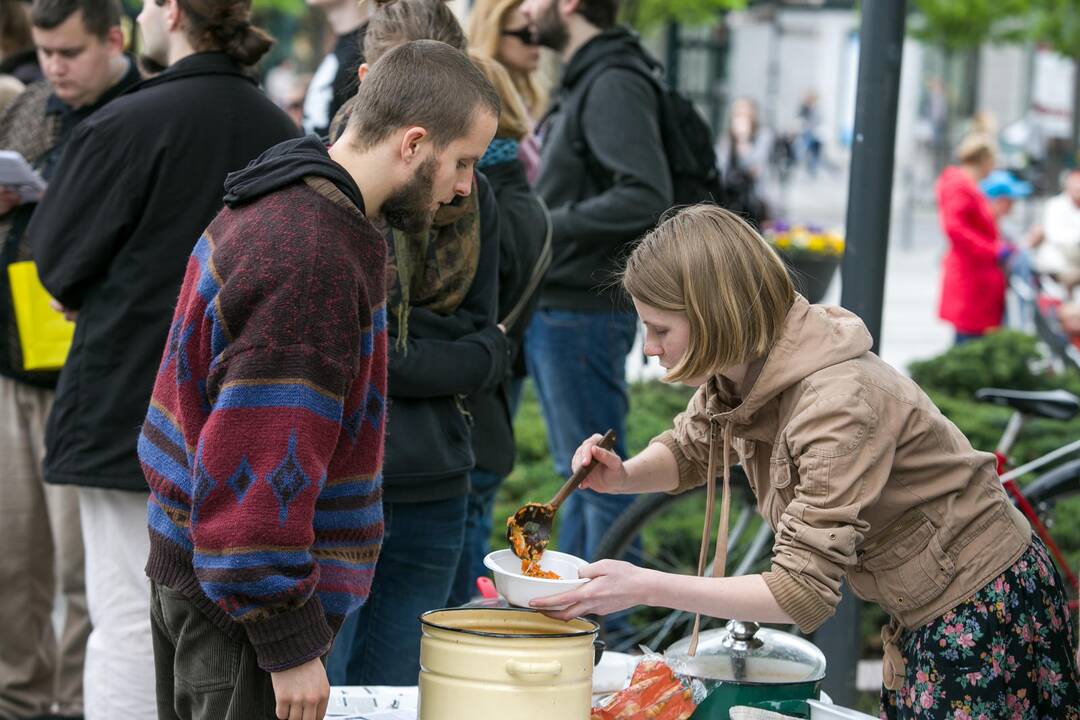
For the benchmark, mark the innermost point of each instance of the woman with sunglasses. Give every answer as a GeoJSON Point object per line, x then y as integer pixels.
{"type": "Point", "coordinates": [499, 31]}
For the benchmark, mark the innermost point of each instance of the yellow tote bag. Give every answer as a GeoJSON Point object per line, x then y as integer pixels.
{"type": "Point", "coordinates": [44, 334]}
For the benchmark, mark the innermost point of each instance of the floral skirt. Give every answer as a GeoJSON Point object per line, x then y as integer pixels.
{"type": "Point", "coordinates": [1006, 653]}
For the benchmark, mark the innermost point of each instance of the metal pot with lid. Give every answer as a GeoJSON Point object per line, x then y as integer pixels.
{"type": "Point", "coordinates": [743, 663]}
{"type": "Point", "coordinates": [505, 663]}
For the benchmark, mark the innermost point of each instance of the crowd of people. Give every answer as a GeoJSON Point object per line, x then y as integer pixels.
{"type": "Point", "coordinates": [301, 413]}
{"type": "Point", "coordinates": [975, 197]}
{"type": "Point", "coordinates": [287, 404]}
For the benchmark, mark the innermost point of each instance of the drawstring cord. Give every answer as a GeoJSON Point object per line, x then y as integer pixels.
{"type": "Point", "coordinates": [720, 555]}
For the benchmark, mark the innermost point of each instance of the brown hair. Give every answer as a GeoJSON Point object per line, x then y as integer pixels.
{"type": "Point", "coordinates": [98, 16]}
{"type": "Point", "coordinates": [422, 83]}
{"type": "Point", "coordinates": [711, 265]}
{"type": "Point", "coordinates": [487, 20]}
{"type": "Point", "coordinates": [394, 23]}
{"type": "Point", "coordinates": [14, 28]}
{"type": "Point", "coordinates": [513, 121]}
{"type": "Point", "coordinates": [601, 13]}
{"type": "Point", "coordinates": [225, 25]}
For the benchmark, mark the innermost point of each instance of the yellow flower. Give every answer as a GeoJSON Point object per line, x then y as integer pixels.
{"type": "Point", "coordinates": [817, 244]}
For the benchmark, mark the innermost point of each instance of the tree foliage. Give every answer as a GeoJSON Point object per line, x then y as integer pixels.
{"type": "Point", "coordinates": [293, 8]}
{"type": "Point", "coordinates": [1056, 23]}
{"type": "Point", "coordinates": [646, 14]}
{"type": "Point", "coordinates": [964, 24]}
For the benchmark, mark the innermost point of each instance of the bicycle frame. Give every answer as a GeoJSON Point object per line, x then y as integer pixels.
{"type": "Point", "coordinates": [1008, 480]}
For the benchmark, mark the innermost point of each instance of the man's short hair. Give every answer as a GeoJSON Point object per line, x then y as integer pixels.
{"type": "Point", "coordinates": [99, 16]}
{"type": "Point", "coordinates": [423, 83]}
{"type": "Point", "coordinates": [601, 13]}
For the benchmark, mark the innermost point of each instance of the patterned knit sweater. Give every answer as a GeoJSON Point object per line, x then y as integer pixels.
{"type": "Point", "coordinates": [264, 438]}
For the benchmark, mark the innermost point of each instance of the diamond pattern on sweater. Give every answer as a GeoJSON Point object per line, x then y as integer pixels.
{"type": "Point", "coordinates": [371, 410]}
{"type": "Point", "coordinates": [287, 480]}
{"type": "Point", "coordinates": [204, 485]}
{"type": "Point", "coordinates": [177, 350]}
{"type": "Point", "coordinates": [242, 479]}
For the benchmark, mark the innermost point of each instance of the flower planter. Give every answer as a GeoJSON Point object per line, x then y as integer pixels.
{"type": "Point", "coordinates": [811, 276]}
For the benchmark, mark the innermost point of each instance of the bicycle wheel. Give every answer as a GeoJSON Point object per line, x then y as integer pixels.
{"type": "Point", "coordinates": [662, 532]}
{"type": "Point", "coordinates": [1055, 496]}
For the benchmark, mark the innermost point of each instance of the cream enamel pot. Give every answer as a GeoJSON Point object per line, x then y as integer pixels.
{"type": "Point", "coordinates": [505, 663]}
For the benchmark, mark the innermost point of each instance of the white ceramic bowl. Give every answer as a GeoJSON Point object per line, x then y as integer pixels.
{"type": "Point", "coordinates": [519, 589]}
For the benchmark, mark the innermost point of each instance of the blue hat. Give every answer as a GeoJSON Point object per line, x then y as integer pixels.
{"type": "Point", "coordinates": [1001, 183]}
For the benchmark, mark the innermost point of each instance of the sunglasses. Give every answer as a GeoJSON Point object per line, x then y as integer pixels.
{"type": "Point", "coordinates": [525, 35]}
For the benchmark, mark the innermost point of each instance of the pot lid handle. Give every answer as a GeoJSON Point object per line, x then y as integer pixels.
{"type": "Point", "coordinates": [743, 633]}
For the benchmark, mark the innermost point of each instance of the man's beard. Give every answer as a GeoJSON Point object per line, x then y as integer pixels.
{"type": "Point", "coordinates": [408, 208]}
{"type": "Point", "coordinates": [551, 31]}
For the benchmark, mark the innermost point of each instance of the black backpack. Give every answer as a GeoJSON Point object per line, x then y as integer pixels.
{"type": "Point", "coordinates": [686, 136]}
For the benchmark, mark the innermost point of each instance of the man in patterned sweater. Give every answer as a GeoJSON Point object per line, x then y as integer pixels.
{"type": "Point", "coordinates": [263, 442]}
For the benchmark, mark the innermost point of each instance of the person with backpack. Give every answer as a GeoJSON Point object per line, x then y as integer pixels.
{"type": "Point", "coordinates": [606, 178]}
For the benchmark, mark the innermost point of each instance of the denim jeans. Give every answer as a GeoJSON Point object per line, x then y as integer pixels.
{"type": "Point", "coordinates": [578, 362]}
{"type": "Point", "coordinates": [964, 338]}
{"type": "Point", "coordinates": [380, 644]}
{"type": "Point", "coordinates": [483, 487]}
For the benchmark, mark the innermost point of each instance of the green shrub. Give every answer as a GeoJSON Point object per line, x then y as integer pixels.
{"type": "Point", "coordinates": [652, 407]}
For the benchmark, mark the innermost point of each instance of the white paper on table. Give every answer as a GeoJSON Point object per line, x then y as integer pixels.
{"type": "Point", "coordinates": [363, 701]}
{"type": "Point", "coordinates": [16, 173]}
{"type": "Point", "coordinates": [379, 715]}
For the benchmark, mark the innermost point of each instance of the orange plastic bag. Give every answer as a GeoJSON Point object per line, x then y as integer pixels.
{"type": "Point", "coordinates": [654, 693]}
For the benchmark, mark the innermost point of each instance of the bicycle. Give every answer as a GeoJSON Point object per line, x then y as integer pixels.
{"type": "Point", "coordinates": [669, 526]}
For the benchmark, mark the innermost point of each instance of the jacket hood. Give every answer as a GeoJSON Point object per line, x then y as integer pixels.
{"type": "Point", "coordinates": [284, 164]}
{"type": "Point", "coordinates": [613, 40]}
{"type": "Point", "coordinates": [814, 337]}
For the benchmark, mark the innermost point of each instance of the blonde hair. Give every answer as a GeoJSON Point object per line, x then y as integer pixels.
{"type": "Point", "coordinates": [513, 122]}
{"type": "Point", "coordinates": [710, 264]}
{"type": "Point", "coordinates": [976, 147]}
{"type": "Point", "coordinates": [487, 20]}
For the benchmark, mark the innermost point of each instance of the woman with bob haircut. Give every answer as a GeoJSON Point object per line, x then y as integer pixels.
{"type": "Point", "coordinates": [858, 473]}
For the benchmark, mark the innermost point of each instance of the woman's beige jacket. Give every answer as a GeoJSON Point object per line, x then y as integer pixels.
{"type": "Point", "coordinates": [858, 473]}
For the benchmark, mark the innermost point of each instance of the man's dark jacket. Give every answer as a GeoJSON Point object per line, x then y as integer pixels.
{"type": "Point", "coordinates": [446, 357]}
{"type": "Point", "coordinates": [37, 124]}
{"type": "Point", "coordinates": [522, 231]}
{"type": "Point", "coordinates": [598, 215]}
{"type": "Point", "coordinates": [138, 183]}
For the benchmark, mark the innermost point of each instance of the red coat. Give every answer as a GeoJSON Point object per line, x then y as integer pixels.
{"type": "Point", "coordinates": [972, 281]}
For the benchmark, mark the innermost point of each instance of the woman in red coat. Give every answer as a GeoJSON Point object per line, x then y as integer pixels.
{"type": "Point", "coordinates": [973, 281]}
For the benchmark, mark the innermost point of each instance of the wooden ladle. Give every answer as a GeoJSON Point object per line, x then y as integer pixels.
{"type": "Point", "coordinates": [529, 529]}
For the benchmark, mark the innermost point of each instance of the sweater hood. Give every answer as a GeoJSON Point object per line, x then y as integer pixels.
{"type": "Point", "coordinates": [814, 337]}
{"type": "Point", "coordinates": [285, 164]}
{"type": "Point", "coordinates": [613, 40]}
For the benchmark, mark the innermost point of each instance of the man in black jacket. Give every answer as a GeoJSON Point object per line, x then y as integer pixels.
{"type": "Point", "coordinates": [137, 184]}
{"type": "Point", "coordinates": [82, 46]}
{"type": "Point", "coordinates": [603, 194]}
